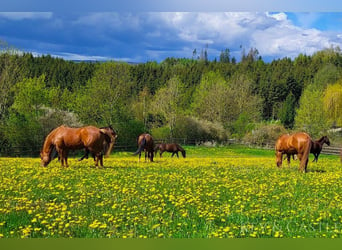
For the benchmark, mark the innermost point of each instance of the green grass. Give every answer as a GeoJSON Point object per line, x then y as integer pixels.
{"type": "Point", "coordinates": [218, 192]}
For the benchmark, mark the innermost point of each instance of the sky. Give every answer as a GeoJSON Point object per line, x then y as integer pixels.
{"type": "Point", "coordinates": [145, 30]}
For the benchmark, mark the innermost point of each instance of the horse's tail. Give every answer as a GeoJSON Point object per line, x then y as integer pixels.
{"type": "Point", "coordinates": [141, 146]}
{"type": "Point", "coordinates": [305, 156]}
{"type": "Point", "coordinates": [109, 142]}
{"type": "Point", "coordinates": [108, 145]}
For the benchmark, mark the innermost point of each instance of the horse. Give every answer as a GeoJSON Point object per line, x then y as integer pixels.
{"type": "Point", "coordinates": [318, 145]}
{"type": "Point", "coordinates": [146, 143]}
{"type": "Point", "coordinates": [107, 144]}
{"type": "Point", "coordinates": [299, 143]}
{"type": "Point", "coordinates": [173, 148]}
{"type": "Point", "coordinates": [316, 148]}
{"type": "Point", "coordinates": [64, 138]}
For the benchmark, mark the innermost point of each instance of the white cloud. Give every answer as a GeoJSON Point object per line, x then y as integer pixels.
{"type": "Point", "coordinates": [157, 35]}
{"type": "Point", "coordinates": [26, 15]}
{"type": "Point", "coordinates": [271, 34]}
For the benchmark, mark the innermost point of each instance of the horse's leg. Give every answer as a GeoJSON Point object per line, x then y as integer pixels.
{"type": "Point", "coordinates": [173, 153]}
{"type": "Point", "coordinates": [303, 163]}
{"type": "Point", "coordinates": [316, 157]}
{"type": "Point", "coordinates": [151, 156]}
{"type": "Point", "coordinates": [97, 160]}
{"type": "Point", "coordinates": [161, 152]}
{"type": "Point", "coordinates": [101, 160]}
{"type": "Point", "coordinates": [64, 162]}
{"type": "Point", "coordinates": [288, 156]}
{"type": "Point", "coordinates": [66, 158]}
{"type": "Point", "coordinates": [60, 155]}
{"type": "Point", "coordinates": [177, 154]}
{"type": "Point", "coordinates": [304, 169]}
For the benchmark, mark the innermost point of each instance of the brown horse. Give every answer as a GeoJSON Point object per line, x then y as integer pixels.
{"type": "Point", "coordinates": [63, 139]}
{"type": "Point", "coordinates": [173, 148]}
{"type": "Point", "coordinates": [318, 145]}
{"type": "Point", "coordinates": [316, 148]}
{"type": "Point", "coordinates": [108, 144]}
{"type": "Point", "coordinates": [146, 143]}
{"type": "Point", "coordinates": [298, 143]}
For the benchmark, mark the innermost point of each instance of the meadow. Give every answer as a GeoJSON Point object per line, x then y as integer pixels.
{"type": "Point", "coordinates": [218, 192]}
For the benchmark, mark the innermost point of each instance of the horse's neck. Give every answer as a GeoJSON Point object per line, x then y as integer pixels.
{"type": "Point", "coordinates": [48, 143]}
{"type": "Point", "coordinates": [47, 146]}
{"type": "Point", "coordinates": [179, 148]}
{"type": "Point", "coordinates": [321, 141]}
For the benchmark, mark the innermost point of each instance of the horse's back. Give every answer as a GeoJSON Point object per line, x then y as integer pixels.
{"type": "Point", "coordinates": [76, 138]}
{"type": "Point", "coordinates": [300, 141]}
{"type": "Point", "coordinates": [293, 142]}
{"type": "Point", "coordinates": [148, 140]}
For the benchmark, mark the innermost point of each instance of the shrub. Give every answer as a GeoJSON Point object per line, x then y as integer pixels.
{"type": "Point", "coordinates": [192, 128]}
{"type": "Point", "coordinates": [265, 134]}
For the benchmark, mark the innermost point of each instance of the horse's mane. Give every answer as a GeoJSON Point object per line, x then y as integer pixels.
{"type": "Point", "coordinates": [180, 148]}
{"type": "Point", "coordinates": [321, 139]}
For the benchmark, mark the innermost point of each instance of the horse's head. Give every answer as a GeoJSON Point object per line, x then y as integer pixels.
{"type": "Point", "coordinates": [326, 140]}
{"type": "Point", "coordinates": [112, 135]}
{"type": "Point", "coordinates": [279, 160]}
{"type": "Point", "coordinates": [183, 153]}
{"type": "Point", "coordinates": [110, 132]}
{"type": "Point", "coordinates": [45, 158]}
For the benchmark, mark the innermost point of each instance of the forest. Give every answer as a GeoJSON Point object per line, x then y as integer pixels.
{"type": "Point", "coordinates": [194, 99]}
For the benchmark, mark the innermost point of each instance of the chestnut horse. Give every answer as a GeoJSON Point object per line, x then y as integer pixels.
{"type": "Point", "coordinates": [173, 148]}
{"type": "Point", "coordinates": [316, 148]}
{"type": "Point", "coordinates": [63, 139]}
{"type": "Point", "coordinates": [108, 144]}
{"type": "Point", "coordinates": [146, 143]}
{"type": "Point", "coordinates": [298, 143]}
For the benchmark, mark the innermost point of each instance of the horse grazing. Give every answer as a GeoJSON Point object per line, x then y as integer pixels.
{"type": "Point", "coordinates": [108, 144]}
{"type": "Point", "coordinates": [318, 145]}
{"type": "Point", "coordinates": [146, 143]}
{"type": "Point", "coordinates": [63, 139]}
{"type": "Point", "coordinates": [298, 143]}
{"type": "Point", "coordinates": [173, 148]}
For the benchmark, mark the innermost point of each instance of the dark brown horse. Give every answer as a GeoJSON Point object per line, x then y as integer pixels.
{"type": "Point", "coordinates": [63, 139]}
{"type": "Point", "coordinates": [318, 145]}
{"type": "Point", "coordinates": [108, 144]}
{"type": "Point", "coordinates": [146, 143]}
{"type": "Point", "coordinates": [173, 148]}
{"type": "Point", "coordinates": [298, 143]}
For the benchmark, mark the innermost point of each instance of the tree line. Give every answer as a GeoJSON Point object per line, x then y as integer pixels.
{"type": "Point", "coordinates": [191, 98]}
